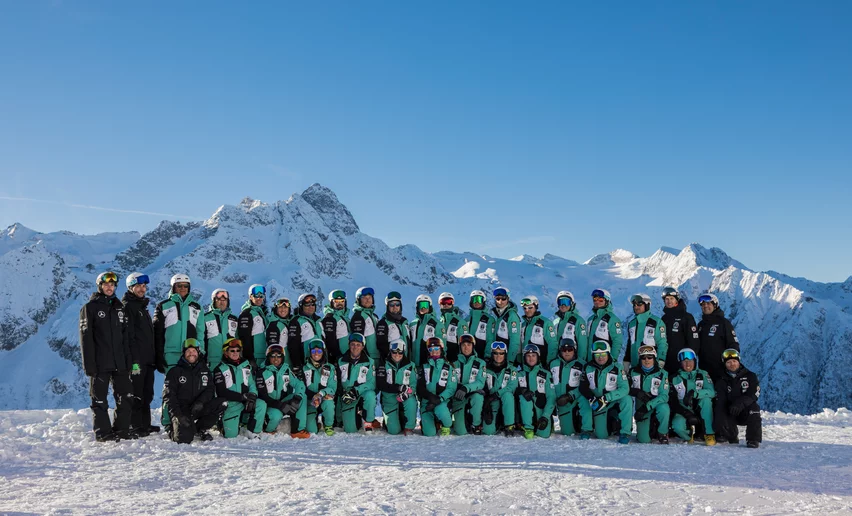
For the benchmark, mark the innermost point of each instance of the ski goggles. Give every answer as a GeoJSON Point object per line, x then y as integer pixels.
{"type": "Point", "coordinates": [423, 305]}
{"type": "Point", "coordinates": [706, 299]}
{"type": "Point", "coordinates": [338, 294]}
{"type": "Point", "coordinates": [527, 302]}
{"type": "Point", "coordinates": [669, 291]}
{"type": "Point", "coordinates": [221, 296]}
{"type": "Point", "coordinates": [600, 347]}
{"type": "Point", "coordinates": [109, 276]}
{"type": "Point", "coordinates": [394, 296]}
{"type": "Point", "coordinates": [478, 299]}
{"type": "Point", "coordinates": [397, 346]}
{"type": "Point", "coordinates": [139, 280]}
{"type": "Point", "coordinates": [599, 293]}
{"type": "Point", "coordinates": [368, 291]}
{"type": "Point", "coordinates": [275, 355]}
{"type": "Point", "coordinates": [498, 346]}
{"type": "Point", "coordinates": [282, 302]}
{"type": "Point", "coordinates": [258, 291]}
{"type": "Point", "coordinates": [637, 300]}
{"type": "Point", "coordinates": [447, 301]}
{"type": "Point", "coordinates": [309, 301]}
{"type": "Point", "coordinates": [730, 354]}
{"type": "Point", "coordinates": [685, 355]}
{"type": "Point", "coordinates": [564, 301]}
{"type": "Point", "coordinates": [501, 292]}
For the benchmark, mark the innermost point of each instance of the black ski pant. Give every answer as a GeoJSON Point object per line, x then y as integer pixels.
{"type": "Point", "coordinates": [143, 395]}
{"type": "Point", "coordinates": [121, 391]}
{"type": "Point", "coordinates": [197, 423]}
{"type": "Point", "coordinates": [726, 424]}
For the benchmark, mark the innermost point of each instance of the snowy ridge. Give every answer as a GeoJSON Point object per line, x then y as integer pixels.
{"type": "Point", "coordinates": [43, 452]}
{"type": "Point", "coordinates": [796, 333]}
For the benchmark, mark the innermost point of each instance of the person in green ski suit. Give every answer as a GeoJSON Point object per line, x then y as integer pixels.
{"type": "Point", "coordinates": [424, 326]}
{"type": "Point", "coordinates": [604, 325]}
{"type": "Point", "coordinates": [393, 326]}
{"type": "Point", "coordinates": [395, 380]}
{"type": "Point", "coordinates": [251, 325]}
{"type": "Point", "coordinates": [649, 386]}
{"type": "Point", "coordinates": [236, 384]}
{"type": "Point", "coordinates": [481, 324]}
{"type": "Point", "coordinates": [436, 385]}
{"type": "Point", "coordinates": [283, 392]}
{"type": "Point", "coordinates": [538, 330]}
{"type": "Point", "coordinates": [358, 386]}
{"type": "Point", "coordinates": [177, 318]}
{"type": "Point", "coordinates": [304, 326]}
{"type": "Point", "coordinates": [365, 322]}
{"type": "Point", "coordinates": [454, 323]}
{"type": "Point", "coordinates": [536, 397]}
{"type": "Point", "coordinates": [692, 391]}
{"type": "Point", "coordinates": [321, 388]}
{"type": "Point", "coordinates": [335, 325]}
{"type": "Point", "coordinates": [508, 323]}
{"type": "Point", "coordinates": [470, 389]}
{"type": "Point", "coordinates": [219, 325]}
{"type": "Point", "coordinates": [276, 329]}
{"type": "Point", "coordinates": [570, 325]}
{"type": "Point", "coordinates": [607, 390]}
{"type": "Point", "coordinates": [644, 329]}
{"type": "Point", "coordinates": [501, 382]}
{"type": "Point", "coordinates": [568, 372]}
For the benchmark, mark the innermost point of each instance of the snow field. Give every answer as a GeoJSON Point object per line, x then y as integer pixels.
{"type": "Point", "coordinates": [51, 464]}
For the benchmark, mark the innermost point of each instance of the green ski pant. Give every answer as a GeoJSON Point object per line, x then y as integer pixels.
{"type": "Point", "coordinates": [391, 408]}
{"type": "Point", "coordinates": [506, 403]}
{"type": "Point", "coordinates": [297, 422]}
{"type": "Point", "coordinates": [327, 410]}
{"type": "Point", "coordinates": [566, 417]}
{"type": "Point", "coordinates": [624, 406]}
{"type": "Point", "coordinates": [234, 415]}
{"type": "Point", "coordinates": [530, 414]}
{"type": "Point", "coordinates": [643, 427]}
{"type": "Point", "coordinates": [705, 409]}
{"type": "Point", "coordinates": [472, 404]}
{"type": "Point", "coordinates": [367, 401]}
{"type": "Point", "coordinates": [427, 419]}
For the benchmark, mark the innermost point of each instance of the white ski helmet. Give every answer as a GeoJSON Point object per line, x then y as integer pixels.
{"type": "Point", "coordinates": [647, 350]}
{"type": "Point", "coordinates": [423, 297]}
{"type": "Point", "coordinates": [645, 299]}
{"type": "Point", "coordinates": [105, 277]}
{"type": "Point", "coordinates": [334, 292]}
{"type": "Point", "coordinates": [179, 278]}
{"type": "Point", "coordinates": [531, 299]}
{"type": "Point", "coordinates": [565, 293]}
{"type": "Point", "coordinates": [304, 296]}
{"type": "Point", "coordinates": [477, 293]}
{"type": "Point", "coordinates": [446, 295]}
{"type": "Point", "coordinates": [135, 279]}
{"type": "Point", "coordinates": [217, 292]}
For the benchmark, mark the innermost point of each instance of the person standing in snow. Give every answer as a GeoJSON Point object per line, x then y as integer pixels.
{"type": "Point", "coordinates": [604, 325]}
{"type": "Point", "coordinates": [643, 329]}
{"type": "Point", "coordinates": [716, 334]}
{"type": "Point", "coordinates": [481, 324]}
{"type": "Point", "coordinates": [106, 354]}
{"type": "Point", "coordinates": [681, 330]}
{"type": "Point", "coordinates": [176, 318]}
{"type": "Point", "coordinates": [736, 404]}
{"type": "Point", "coordinates": [279, 320]}
{"type": "Point", "coordinates": [692, 391]}
{"type": "Point", "coordinates": [570, 324]}
{"type": "Point", "coordinates": [508, 323]}
{"type": "Point", "coordinates": [393, 326]}
{"type": "Point", "coordinates": [649, 386]}
{"type": "Point", "coordinates": [453, 322]}
{"type": "Point", "coordinates": [364, 321]}
{"type": "Point", "coordinates": [304, 326]}
{"type": "Point", "coordinates": [251, 325]}
{"type": "Point", "coordinates": [538, 330]}
{"type": "Point", "coordinates": [423, 327]}
{"type": "Point", "coordinates": [193, 405]}
{"type": "Point", "coordinates": [219, 325]}
{"type": "Point", "coordinates": [436, 385]}
{"type": "Point", "coordinates": [335, 325]}
{"type": "Point", "coordinates": [140, 333]}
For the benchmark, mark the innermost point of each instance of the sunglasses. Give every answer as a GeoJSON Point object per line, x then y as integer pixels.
{"type": "Point", "coordinates": [434, 349]}
{"type": "Point", "coordinates": [316, 351]}
{"type": "Point", "coordinates": [501, 298]}
{"type": "Point", "coordinates": [478, 299]}
{"type": "Point", "coordinates": [498, 352]}
{"type": "Point", "coordinates": [234, 350]}
{"type": "Point", "coordinates": [309, 303]}
{"type": "Point", "coordinates": [647, 357]}
{"type": "Point", "coordinates": [596, 355]}
{"type": "Point", "coordinates": [181, 286]}
{"type": "Point", "coordinates": [394, 304]}
{"type": "Point", "coordinates": [396, 352]}
{"type": "Point", "coordinates": [529, 307]}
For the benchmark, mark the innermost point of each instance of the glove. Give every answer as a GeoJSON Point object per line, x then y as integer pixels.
{"type": "Point", "coordinates": [736, 408]}
{"type": "Point", "coordinates": [564, 399]}
{"type": "Point", "coordinates": [461, 392]}
{"type": "Point", "coordinates": [691, 419]}
{"type": "Point", "coordinates": [197, 408]}
{"type": "Point", "coordinates": [317, 399]}
{"type": "Point", "coordinates": [689, 398]}
{"type": "Point", "coordinates": [527, 394]}
{"type": "Point", "coordinates": [430, 407]}
{"type": "Point", "coordinates": [249, 399]}
{"type": "Point", "coordinates": [184, 420]}
{"type": "Point", "coordinates": [292, 405]}
{"type": "Point", "coordinates": [404, 394]}
{"type": "Point", "coordinates": [487, 414]}
{"type": "Point", "coordinates": [598, 403]}
{"type": "Point", "coordinates": [641, 414]}
{"type": "Point", "coordinates": [298, 372]}
{"type": "Point", "coordinates": [434, 399]}
{"type": "Point", "coordinates": [643, 397]}
{"type": "Point", "coordinates": [492, 397]}
{"type": "Point", "coordinates": [349, 397]}
{"type": "Point", "coordinates": [542, 423]}
{"type": "Point", "coordinates": [135, 370]}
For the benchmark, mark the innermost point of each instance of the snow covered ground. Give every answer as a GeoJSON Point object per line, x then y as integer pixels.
{"type": "Point", "coordinates": [50, 463]}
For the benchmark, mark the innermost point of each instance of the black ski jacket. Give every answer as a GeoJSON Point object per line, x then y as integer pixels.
{"type": "Point", "coordinates": [140, 329]}
{"type": "Point", "coordinates": [716, 334]}
{"type": "Point", "coordinates": [104, 346]}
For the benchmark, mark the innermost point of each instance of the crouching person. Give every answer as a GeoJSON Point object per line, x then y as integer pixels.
{"type": "Point", "coordinates": [436, 384]}
{"type": "Point", "coordinates": [568, 372]}
{"type": "Point", "coordinates": [693, 393]}
{"type": "Point", "coordinates": [501, 382]}
{"type": "Point", "coordinates": [236, 384]}
{"type": "Point", "coordinates": [358, 384]}
{"type": "Point", "coordinates": [536, 397]}
{"type": "Point", "coordinates": [736, 405]}
{"type": "Point", "coordinates": [395, 380]}
{"type": "Point", "coordinates": [470, 393]}
{"type": "Point", "coordinates": [320, 387]}
{"type": "Point", "coordinates": [191, 397]}
{"type": "Point", "coordinates": [649, 385]}
{"type": "Point", "coordinates": [283, 392]}
{"type": "Point", "coordinates": [607, 392]}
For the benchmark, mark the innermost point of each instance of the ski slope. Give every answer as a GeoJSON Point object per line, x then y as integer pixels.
{"type": "Point", "coordinates": [50, 463]}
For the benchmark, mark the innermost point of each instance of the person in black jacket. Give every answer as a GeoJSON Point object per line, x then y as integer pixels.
{"type": "Point", "coordinates": [193, 405]}
{"type": "Point", "coordinates": [140, 332]}
{"type": "Point", "coordinates": [716, 334]}
{"type": "Point", "coordinates": [737, 392]}
{"type": "Point", "coordinates": [105, 350]}
{"type": "Point", "coordinates": [681, 330]}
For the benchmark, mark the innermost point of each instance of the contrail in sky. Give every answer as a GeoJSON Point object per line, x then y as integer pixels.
{"type": "Point", "coordinates": [101, 208]}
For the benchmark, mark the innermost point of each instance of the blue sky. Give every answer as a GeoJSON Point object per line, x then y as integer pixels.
{"type": "Point", "coordinates": [498, 127]}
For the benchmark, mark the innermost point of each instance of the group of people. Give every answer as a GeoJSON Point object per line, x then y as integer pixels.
{"type": "Point", "coordinates": [488, 372]}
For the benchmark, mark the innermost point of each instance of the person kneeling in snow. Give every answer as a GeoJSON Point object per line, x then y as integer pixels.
{"type": "Point", "coordinates": [737, 404]}
{"type": "Point", "coordinates": [436, 385]}
{"type": "Point", "coordinates": [693, 392]}
{"type": "Point", "coordinates": [283, 392]}
{"type": "Point", "coordinates": [470, 392]}
{"type": "Point", "coordinates": [320, 388]}
{"type": "Point", "coordinates": [501, 381]}
{"type": "Point", "coordinates": [235, 383]}
{"type": "Point", "coordinates": [649, 385]}
{"type": "Point", "coordinates": [536, 396]}
{"type": "Point", "coordinates": [358, 385]}
{"type": "Point", "coordinates": [395, 380]}
{"type": "Point", "coordinates": [191, 397]}
{"type": "Point", "coordinates": [607, 391]}
{"type": "Point", "coordinates": [568, 372]}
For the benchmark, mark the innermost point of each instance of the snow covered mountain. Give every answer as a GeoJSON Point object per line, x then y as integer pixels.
{"type": "Point", "coordinates": [796, 333]}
